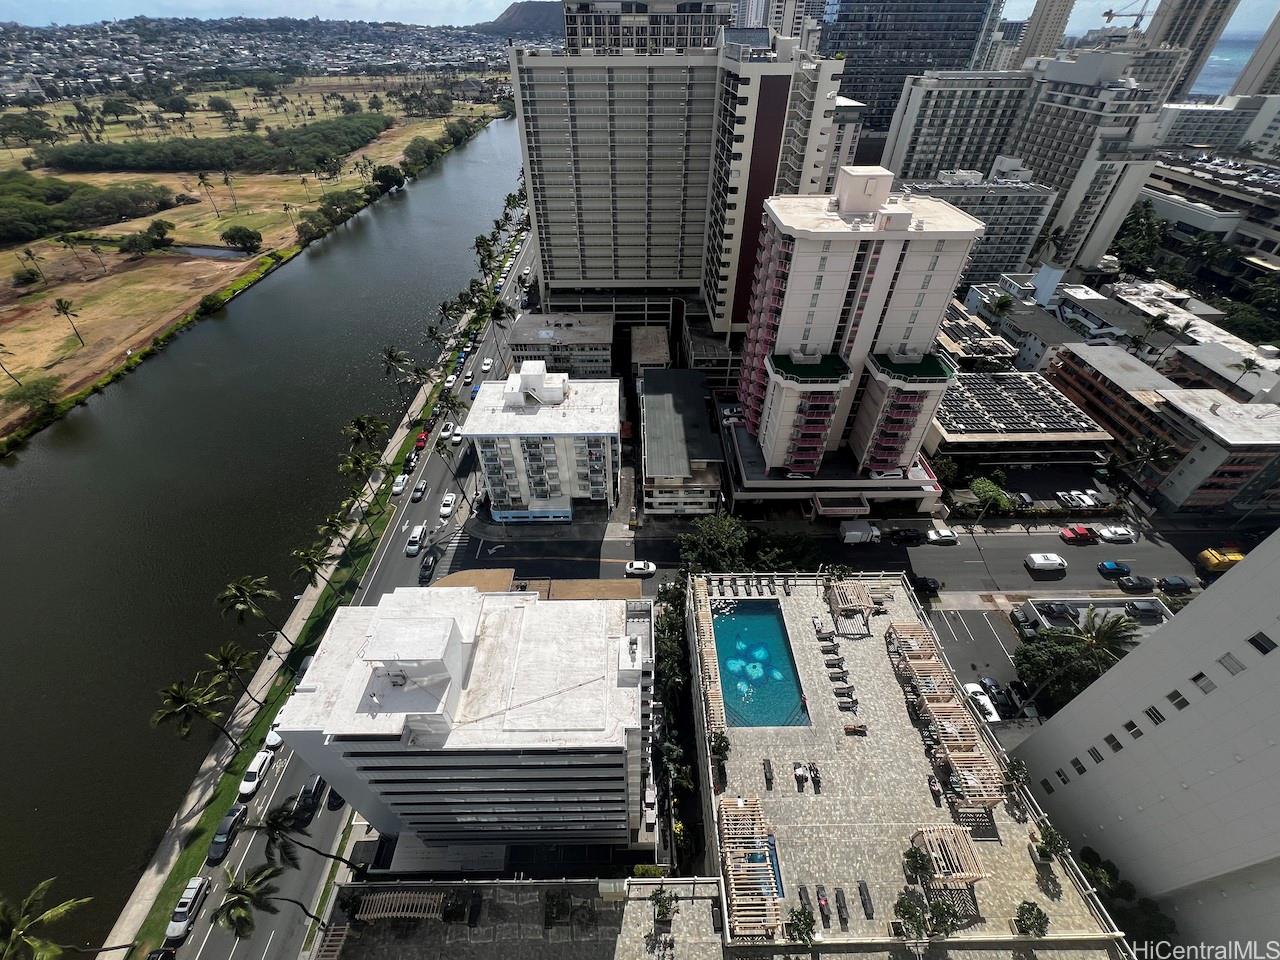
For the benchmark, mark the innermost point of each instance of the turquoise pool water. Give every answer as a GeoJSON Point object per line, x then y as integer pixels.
{"type": "Point", "coordinates": [758, 676]}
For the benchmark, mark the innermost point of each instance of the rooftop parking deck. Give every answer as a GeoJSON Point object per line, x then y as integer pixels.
{"type": "Point", "coordinates": [885, 719]}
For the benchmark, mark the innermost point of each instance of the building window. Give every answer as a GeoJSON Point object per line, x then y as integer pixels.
{"type": "Point", "coordinates": [1077, 765]}
{"type": "Point", "coordinates": [1231, 663]}
{"type": "Point", "coordinates": [1178, 700]}
{"type": "Point", "coordinates": [1154, 715]}
{"type": "Point", "coordinates": [1095, 754]}
{"type": "Point", "coordinates": [1062, 776]}
{"type": "Point", "coordinates": [1204, 683]}
{"type": "Point", "coordinates": [1262, 643]}
{"type": "Point", "coordinates": [1133, 729]}
{"type": "Point", "coordinates": [817, 282]}
{"type": "Point", "coordinates": [826, 246]}
{"type": "Point", "coordinates": [822, 261]}
{"type": "Point", "coordinates": [813, 300]}
{"type": "Point", "coordinates": [938, 247]}
{"type": "Point", "coordinates": [1111, 741]}
{"type": "Point", "coordinates": [1046, 786]}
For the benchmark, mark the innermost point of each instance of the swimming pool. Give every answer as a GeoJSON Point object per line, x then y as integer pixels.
{"type": "Point", "coordinates": [758, 678]}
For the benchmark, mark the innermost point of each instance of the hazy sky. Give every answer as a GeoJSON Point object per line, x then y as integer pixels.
{"type": "Point", "coordinates": [1251, 17]}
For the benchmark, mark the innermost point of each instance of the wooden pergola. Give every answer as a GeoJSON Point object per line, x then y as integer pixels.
{"type": "Point", "coordinates": [933, 680]}
{"type": "Point", "coordinates": [914, 639]}
{"type": "Point", "coordinates": [747, 858]}
{"type": "Point", "coordinates": [955, 858]}
{"type": "Point", "coordinates": [708, 661]}
{"type": "Point", "coordinates": [849, 597]}
{"type": "Point", "coordinates": [976, 777]}
{"type": "Point", "coordinates": [401, 905]}
{"type": "Point", "coordinates": [955, 726]}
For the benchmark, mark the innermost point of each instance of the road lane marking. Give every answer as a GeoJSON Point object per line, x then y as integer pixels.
{"type": "Point", "coordinates": [995, 633]}
{"type": "Point", "coordinates": [973, 561]}
{"type": "Point", "coordinates": [268, 946]}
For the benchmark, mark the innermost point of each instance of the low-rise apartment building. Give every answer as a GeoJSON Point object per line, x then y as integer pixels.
{"type": "Point", "coordinates": [457, 720]}
{"type": "Point", "coordinates": [681, 455]}
{"type": "Point", "coordinates": [579, 344]}
{"type": "Point", "coordinates": [545, 440]}
{"type": "Point", "coordinates": [1224, 125]}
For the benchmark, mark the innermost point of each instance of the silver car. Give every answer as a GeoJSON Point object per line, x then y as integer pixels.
{"type": "Point", "coordinates": [188, 908]}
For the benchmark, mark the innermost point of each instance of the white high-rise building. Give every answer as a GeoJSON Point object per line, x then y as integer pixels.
{"type": "Point", "coordinates": [848, 295]}
{"type": "Point", "coordinates": [1262, 73]}
{"type": "Point", "coordinates": [787, 17]}
{"type": "Point", "coordinates": [750, 13]}
{"type": "Point", "coordinates": [646, 172]}
{"type": "Point", "coordinates": [467, 720]}
{"type": "Point", "coordinates": [1194, 25]}
{"type": "Point", "coordinates": [654, 26]}
{"type": "Point", "coordinates": [1082, 125]}
{"type": "Point", "coordinates": [1168, 763]}
{"type": "Point", "coordinates": [545, 440]}
{"type": "Point", "coordinates": [1045, 29]}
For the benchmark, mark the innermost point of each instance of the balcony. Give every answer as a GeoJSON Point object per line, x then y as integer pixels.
{"type": "Point", "coordinates": [930, 368]}
{"type": "Point", "coordinates": [829, 368]}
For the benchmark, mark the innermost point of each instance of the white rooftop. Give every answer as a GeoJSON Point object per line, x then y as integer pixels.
{"type": "Point", "coordinates": [1244, 424]}
{"type": "Point", "coordinates": [534, 402]}
{"type": "Point", "coordinates": [454, 668]}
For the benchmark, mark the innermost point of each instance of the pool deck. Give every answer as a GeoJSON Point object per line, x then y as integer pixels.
{"type": "Point", "coordinates": [875, 794]}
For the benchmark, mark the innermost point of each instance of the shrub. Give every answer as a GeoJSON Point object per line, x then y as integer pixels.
{"type": "Point", "coordinates": [33, 207]}
{"type": "Point", "coordinates": [25, 277]}
{"type": "Point", "coordinates": [918, 864]}
{"type": "Point", "coordinates": [801, 921]}
{"type": "Point", "coordinates": [210, 303]}
{"type": "Point", "coordinates": [1031, 920]}
{"type": "Point", "coordinates": [37, 394]}
{"type": "Point", "coordinates": [1052, 843]}
{"type": "Point", "coordinates": [242, 238]}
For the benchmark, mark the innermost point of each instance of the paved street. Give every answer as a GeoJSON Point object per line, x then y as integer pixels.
{"type": "Point", "coordinates": [977, 642]}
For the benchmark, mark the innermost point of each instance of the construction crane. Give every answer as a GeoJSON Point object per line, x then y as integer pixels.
{"type": "Point", "coordinates": [1126, 12]}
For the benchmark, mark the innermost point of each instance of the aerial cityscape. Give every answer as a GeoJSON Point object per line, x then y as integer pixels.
{"type": "Point", "coordinates": [620, 480]}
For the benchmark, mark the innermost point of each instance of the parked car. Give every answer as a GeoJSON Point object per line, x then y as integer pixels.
{"type": "Point", "coordinates": [925, 586]}
{"type": "Point", "coordinates": [942, 535]}
{"type": "Point", "coordinates": [641, 568]}
{"type": "Point", "coordinates": [1175, 584]}
{"type": "Point", "coordinates": [273, 740]}
{"type": "Point", "coordinates": [456, 440]}
{"type": "Point", "coordinates": [1144, 610]}
{"type": "Point", "coordinates": [1056, 608]}
{"type": "Point", "coordinates": [1068, 499]}
{"type": "Point", "coordinates": [255, 773]}
{"type": "Point", "coordinates": [487, 365]}
{"type": "Point", "coordinates": [225, 834]}
{"type": "Point", "coordinates": [1023, 501]}
{"type": "Point", "coordinates": [1136, 584]}
{"type": "Point", "coordinates": [450, 380]}
{"type": "Point", "coordinates": [419, 491]}
{"type": "Point", "coordinates": [417, 537]}
{"type": "Point", "coordinates": [888, 474]}
{"type": "Point", "coordinates": [906, 537]}
{"type": "Point", "coordinates": [410, 462]}
{"type": "Point", "coordinates": [1044, 562]}
{"type": "Point", "coordinates": [1004, 706]}
{"type": "Point", "coordinates": [1113, 569]}
{"type": "Point", "coordinates": [308, 802]}
{"type": "Point", "coordinates": [1078, 533]}
{"type": "Point", "coordinates": [447, 430]}
{"type": "Point", "coordinates": [427, 568]}
{"type": "Point", "coordinates": [335, 800]}
{"type": "Point", "coordinates": [1084, 499]}
{"type": "Point", "coordinates": [1117, 535]}
{"type": "Point", "coordinates": [164, 953]}
{"type": "Point", "coordinates": [188, 908]}
{"type": "Point", "coordinates": [447, 504]}
{"type": "Point", "coordinates": [421, 442]}
{"type": "Point", "coordinates": [468, 377]}
{"type": "Point", "coordinates": [799, 476]}
{"type": "Point", "coordinates": [981, 702]}
{"type": "Point", "coordinates": [399, 483]}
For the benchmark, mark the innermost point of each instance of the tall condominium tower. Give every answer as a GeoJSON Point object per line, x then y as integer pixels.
{"type": "Point", "coordinates": [1168, 763]}
{"type": "Point", "coordinates": [848, 295]}
{"type": "Point", "coordinates": [1082, 126]}
{"type": "Point", "coordinates": [886, 41]}
{"type": "Point", "coordinates": [1262, 73]}
{"type": "Point", "coordinates": [750, 13]}
{"type": "Point", "coordinates": [1193, 24]}
{"type": "Point", "coordinates": [655, 25]}
{"type": "Point", "coordinates": [788, 16]}
{"type": "Point", "coordinates": [647, 172]}
{"type": "Point", "coordinates": [1045, 29]}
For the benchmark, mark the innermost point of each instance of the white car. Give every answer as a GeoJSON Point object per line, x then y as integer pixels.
{"type": "Point", "coordinates": [1083, 498]}
{"type": "Point", "coordinates": [447, 430]}
{"type": "Point", "coordinates": [942, 535]}
{"type": "Point", "coordinates": [273, 740]}
{"type": "Point", "coordinates": [456, 440]}
{"type": "Point", "coordinates": [188, 908]}
{"type": "Point", "coordinates": [1117, 535]}
{"type": "Point", "coordinates": [486, 366]}
{"type": "Point", "coordinates": [450, 380]}
{"type": "Point", "coordinates": [468, 377]}
{"type": "Point", "coordinates": [255, 773]}
{"type": "Point", "coordinates": [1044, 561]}
{"type": "Point", "coordinates": [1068, 499]}
{"type": "Point", "coordinates": [887, 474]}
{"type": "Point", "coordinates": [447, 504]}
{"type": "Point", "coordinates": [398, 484]}
{"type": "Point", "coordinates": [641, 568]}
{"type": "Point", "coordinates": [981, 702]}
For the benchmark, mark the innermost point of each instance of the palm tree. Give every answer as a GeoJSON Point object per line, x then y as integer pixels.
{"type": "Point", "coordinates": [394, 362]}
{"type": "Point", "coordinates": [448, 402]}
{"type": "Point", "coordinates": [252, 893]}
{"type": "Point", "coordinates": [1177, 331]}
{"type": "Point", "coordinates": [64, 308]}
{"type": "Point", "coordinates": [1103, 639]}
{"type": "Point", "coordinates": [282, 828]}
{"type": "Point", "coordinates": [97, 252]}
{"type": "Point", "coordinates": [1153, 324]}
{"type": "Point", "coordinates": [359, 464]}
{"type": "Point", "coordinates": [288, 212]}
{"type": "Point", "coordinates": [70, 244]}
{"type": "Point", "coordinates": [311, 563]}
{"type": "Point", "coordinates": [20, 936]}
{"type": "Point", "coordinates": [446, 454]}
{"type": "Point", "coordinates": [32, 258]}
{"type": "Point", "coordinates": [244, 597]}
{"type": "Point", "coordinates": [333, 527]}
{"type": "Point", "coordinates": [1002, 306]}
{"type": "Point", "coordinates": [1053, 241]}
{"type": "Point", "coordinates": [226, 182]}
{"type": "Point", "coordinates": [231, 660]}
{"type": "Point", "coordinates": [7, 372]}
{"type": "Point", "coordinates": [365, 430]}
{"type": "Point", "coordinates": [185, 703]}
{"type": "Point", "coordinates": [305, 189]}
{"type": "Point", "coordinates": [206, 185]}
{"type": "Point", "coordinates": [1246, 366]}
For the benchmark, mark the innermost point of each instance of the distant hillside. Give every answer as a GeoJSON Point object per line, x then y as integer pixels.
{"type": "Point", "coordinates": [527, 18]}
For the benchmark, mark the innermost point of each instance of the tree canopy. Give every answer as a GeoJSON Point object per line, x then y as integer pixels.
{"type": "Point", "coordinates": [32, 207]}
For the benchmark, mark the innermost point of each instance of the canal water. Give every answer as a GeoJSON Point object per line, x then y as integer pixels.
{"type": "Point", "coordinates": [121, 523]}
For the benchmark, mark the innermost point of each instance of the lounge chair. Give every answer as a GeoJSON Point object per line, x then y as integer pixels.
{"type": "Point", "coordinates": [845, 691]}
{"type": "Point", "coordinates": [842, 907]}
{"type": "Point", "coordinates": [855, 729]}
{"type": "Point", "coordinates": [848, 706]}
{"type": "Point", "coordinates": [804, 899]}
{"type": "Point", "coordinates": [864, 893]}
{"type": "Point", "coordinates": [768, 774]}
{"type": "Point", "coordinates": [840, 675]}
{"type": "Point", "coordinates": [835, 663]}
{"type": "Point", "coordinates": [824, 908]}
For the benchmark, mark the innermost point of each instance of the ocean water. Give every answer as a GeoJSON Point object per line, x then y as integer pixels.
{"type": "Point", "coordinates": [1225, 63]}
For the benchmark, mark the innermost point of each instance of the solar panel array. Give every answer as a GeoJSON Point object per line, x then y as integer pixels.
{"type": "Point", "coordinates": [1009, 403]}
{"type": "Point", "coordinates": [973, 337]}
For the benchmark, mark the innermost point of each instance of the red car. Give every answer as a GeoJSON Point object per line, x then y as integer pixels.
{"type": "Point", "coordinates": [421, 442]}
{"type": "Point", "coordinates": [1078, 533]}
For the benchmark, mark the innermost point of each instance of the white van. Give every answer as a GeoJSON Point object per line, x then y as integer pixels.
{"type": "Point", "coordinates": [1044, 562]}
{"type": "Point", "coordinates": [416, 536]}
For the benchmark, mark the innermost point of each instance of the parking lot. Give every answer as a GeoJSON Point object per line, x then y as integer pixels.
{"type": "Point", "coordinates": [978, 643]}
